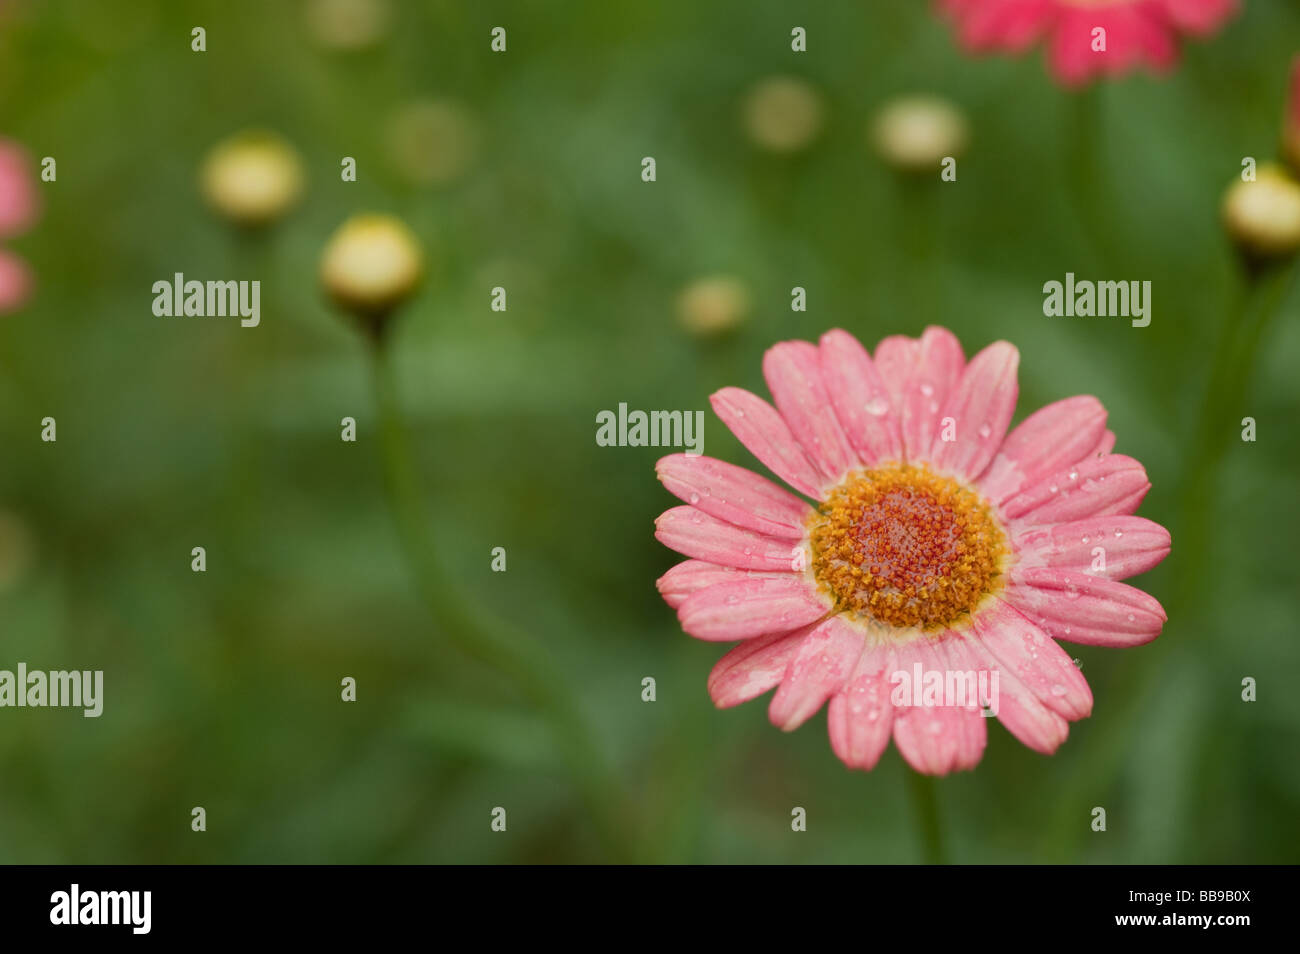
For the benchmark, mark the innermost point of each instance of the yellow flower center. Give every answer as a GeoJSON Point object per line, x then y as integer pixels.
{"type": "Point", "coordinates": [906, 547]}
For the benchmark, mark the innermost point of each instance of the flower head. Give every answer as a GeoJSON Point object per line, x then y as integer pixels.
{"type": "Point", "coordinates": [253, 178]}
{"type": "Point", "coordinates": [916, 133]}
{"type": "Point", "coordinates": [19, 207]}
{"type": "Point", "coordinates": [371, 264]}
{"type": "Point", "coordinates": [944, 557]}
{"type": "Point", "coordinates": [783, 114]}
{"type": "Point", "coordinates": [1262, 216]}
{"type": "Point", "coordinates": [1087, 38]}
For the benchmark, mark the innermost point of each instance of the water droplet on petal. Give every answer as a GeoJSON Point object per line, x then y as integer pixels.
{"type": "Point", "coordinates": [1119, 532]}
{"type": "Point", "coordinates": [985, 431]}
{"type": "Point", "coordinates": [1058, 690]}
{"type": "Point", "coordinates": [695, 498]}
{"type": "Point", "coordinates": [877, 406]}
{"type": "Point", "coordinates": [927, 389]}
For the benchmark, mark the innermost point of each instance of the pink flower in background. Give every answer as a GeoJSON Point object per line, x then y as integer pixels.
{"type": "Point", "coordinates": [18, 209]}
{"type": "Point", "coordinates": [940, 544]}
{"type": "Point", "coordinates": [1137, 32]}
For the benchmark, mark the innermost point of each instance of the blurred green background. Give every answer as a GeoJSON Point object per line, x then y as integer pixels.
{"type": "Point", "coordinates": [222, 688]}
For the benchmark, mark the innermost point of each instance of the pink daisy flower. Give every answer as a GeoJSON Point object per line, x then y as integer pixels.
{"type": "Point", "coordinates": [940, 544]}
{"type": "Point", "coordinates": [1136, 31]}
{"type": "Point", "coordinates": [18, 209]}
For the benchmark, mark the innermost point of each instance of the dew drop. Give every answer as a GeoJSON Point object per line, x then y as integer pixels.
{"type": "Point", "coordinates": [695, 498]}
{"type": "Point", "coordinates": [877, 406]}
{"type": "Point", "coordinates": [1085, 539]}
{"type": "Point", "coordinates": [1053, 488]}
{"type": "Point", "coordinates": [1119, 532]}
{"type": "Point", "coordinates": [927, 389]}
{"type": "Point", "coordinates": [1074, 475]}
{"type": "Point", "coordinates": [1058, 690]}
{"type": "Point", "coordinates": [1130, 617]}
{"type": "Point", "coordinates": [985, 431]}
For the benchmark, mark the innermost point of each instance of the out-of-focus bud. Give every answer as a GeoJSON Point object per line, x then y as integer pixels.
{"type": "Point", "coordinates": [432, 142]}
{"type": "Point", "coordinates": [348, 24]}
{"type": "Point", "coordinates": [783, 114]}
{"type": "Point", "coordinates": [1291, 123]}
{"type": "Point", "coordinates": [15, 549]}
{"type": "Point", "coordinates": [713, 305]}
{"type": "Point", "coordinates": [916, 133]}
{"type": "Point", "coordinates": [252, 178]}
{"type": "Point", "coordinates": [1263, 216]}
{"type": "Point", "coordinates": [370, 265]}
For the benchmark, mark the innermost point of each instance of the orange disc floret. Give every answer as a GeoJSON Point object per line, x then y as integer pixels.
{"type": "Point", "coordinates": [907, 547]}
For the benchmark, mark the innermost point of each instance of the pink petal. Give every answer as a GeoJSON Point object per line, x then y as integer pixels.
{"type": "Point", "coordinates": [1019, 710]}
{"type": "Point", "coordinates": [19, 200]}
{"type": "Point", "coordinates": [1130, 545]}
{"type": "Point", "coordinates": [794, 376]}
{"type": "Point", "coordinates": [694, 533]}
{"type": "Point", "coordinates": [1051, 438]}
{"type": "Point", "coordinates": [15, 282]}
{"type": "Point", "coordinates": [1104, 446]}
{"type": "Point", "coordinates": [1198, 16]}
{"type": "Point", "coordinates": [753, 667]}
{"type": "Point", "coordinates": [764, 433]}
{"type": "Point", "coordinates": [1079, 608]}
{"type": "Point", "coordinates": [1096, 487]}
{"type": "Point", "coordinates": [860, 716]}
{"type": "Point", "coordinates": [825, 660]}
{"type": "Point", "coordinates": [935, 739]}
{"type": "Point", "coordinates": [895, 360]}
{"type": "Point", "coordinates": [734, 494]}
{"type": "Point", "coordinates": [981, 406]}
{"type": "Point", "coordinates": [1046, 670]}
{"type": "Point", "coordinates": [691, 576]}
{"type": "Point", "coordinates": [743, 609]}
{"type": "Point", "coordinates": [862, 401]}
{"type": "Point", "coordinates": [925, 391]}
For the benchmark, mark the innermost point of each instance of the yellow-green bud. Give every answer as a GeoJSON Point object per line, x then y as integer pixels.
{"type": "Point", "coordinates": [1263, 216]}
{"type": "Point", "coordinates": [370, 265]}
{"type": "Point", "coordinates": [252, 178]}
{"type": "Point", "coordinates": [916, 133]}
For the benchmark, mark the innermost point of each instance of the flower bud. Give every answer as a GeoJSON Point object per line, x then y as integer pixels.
{"type": "Point", "coordinates": [916, 133]}
{"type": "Point", "coordinates": [783, 114]}
{"type": "Point", "coordinates": [370, 265]}
{"type": "Point", "coordinates": [713, 305]}
{"type": "Point", "coordinates": [432, 142]}
{"type": "Point", "coordinates": [252, 178]}
{"type": "Point", "coordinates": [1263, 216]}
{"type": "Point", "coordinates": [348, 25]}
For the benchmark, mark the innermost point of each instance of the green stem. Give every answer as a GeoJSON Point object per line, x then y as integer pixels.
{"type": "Point", "coordinates": [925, 804]}
{"type": "Point", "coordinates": [1086, 163]}
{"type": "Point", "coordinates": [479, 633]}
